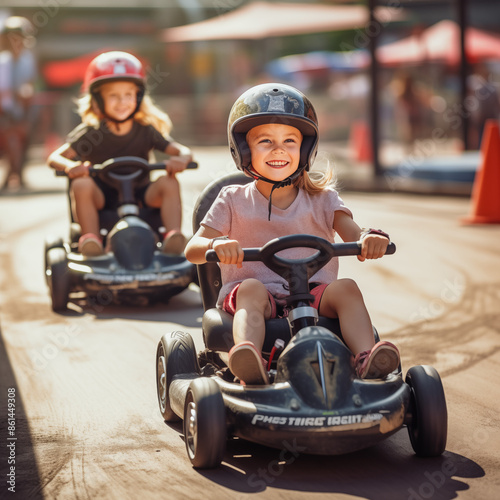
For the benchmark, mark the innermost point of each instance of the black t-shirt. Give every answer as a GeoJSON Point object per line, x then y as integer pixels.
{"type": "Point", "coordinates": [99, 145]}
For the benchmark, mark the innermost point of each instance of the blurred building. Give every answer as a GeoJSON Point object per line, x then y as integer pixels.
{"type": "Point", "coordinates": [69, 33]}
{"type": "Point", "coordinates": [196, 82]}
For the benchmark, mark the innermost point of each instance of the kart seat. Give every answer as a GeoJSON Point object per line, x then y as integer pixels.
{"type": "Point", "coordinates": [217, 324]}
{"type": "Point", "coordinates": [108, 218]}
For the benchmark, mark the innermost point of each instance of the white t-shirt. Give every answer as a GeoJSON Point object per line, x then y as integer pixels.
{"type": "Point", "coordinates": [241, 212]}
{"type": "Point", "coordinates": [14, 73]}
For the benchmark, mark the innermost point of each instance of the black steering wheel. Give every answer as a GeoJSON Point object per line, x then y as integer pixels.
{"type": "Point", "coordinates": [300, 270]}
{"type": "Point", "coordinates": [133, 169]}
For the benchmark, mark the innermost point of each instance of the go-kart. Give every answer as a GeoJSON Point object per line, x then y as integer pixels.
{"type": "Point", "coordinates": [314, 400]}
{"type": "Point", "coordinates": [133, 268]}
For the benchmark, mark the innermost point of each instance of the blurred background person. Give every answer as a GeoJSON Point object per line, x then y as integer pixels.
{"type": "Point", "coordinates": [412, 109]}
{"type": "Point", "coordinates": [486, 103]}
{"type": "Point", "coordinates": [18, 71]}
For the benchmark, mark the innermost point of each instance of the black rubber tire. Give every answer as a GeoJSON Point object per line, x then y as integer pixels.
{"type": "Point", "coordinates": [175, 355]}
{"type": "Point", "coordinates": [195, 278]}
{"type": "Point", "coordinates": [204, 423]}
{"type": "Point", "coordinates": [51, 242]}
{"type": "Point", "coordinates": [58, 278]}
{"type": "Point", "coordinates": [428, 428]}
{"type": "Point", "coordinates": [75, 231]}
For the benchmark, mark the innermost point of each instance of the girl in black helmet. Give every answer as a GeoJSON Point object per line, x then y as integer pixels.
{"type": "Point", "coordinates": [118, 119]}
{"type": "Point", "coordinates": [273, 137]}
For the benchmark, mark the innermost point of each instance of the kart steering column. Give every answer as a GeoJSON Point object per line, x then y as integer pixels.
{"type": "Point", "coordinates": [300, 311]}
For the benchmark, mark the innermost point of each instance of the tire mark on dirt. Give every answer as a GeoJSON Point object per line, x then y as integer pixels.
{"type": "Point", "coordinates": [466, 333]}
{"type": "Point", "coordinates": [19, 303]}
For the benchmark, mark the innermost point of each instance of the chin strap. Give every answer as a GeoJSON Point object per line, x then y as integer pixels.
{"type": "Point", "coordinates": [276, 184]}
{"type": "Point", "coordinates": [118, 122]}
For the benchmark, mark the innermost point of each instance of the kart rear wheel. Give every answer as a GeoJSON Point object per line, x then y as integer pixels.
{"type": "Point", "coordinates": [195, 278]}
{"type": "Point", "coordinates": [58, 278]}
{"type": "Point", "coordinates": [428, 428]}
{"type": "Point", "coordinates": [175, 355]}
{"type": "Point", "coordinates": [204, 423]}
{"type": "Point", "coordinates": [50, 242]}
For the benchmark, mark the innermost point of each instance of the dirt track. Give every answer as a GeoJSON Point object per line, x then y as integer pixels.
{"type": "Point", "coordinates": [87, 422]}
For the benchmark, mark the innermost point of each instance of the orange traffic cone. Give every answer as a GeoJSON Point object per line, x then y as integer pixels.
{"type": "Point", "coordinates": [360, 142]}
{"type": "Point", "coordinates": [486, 189]}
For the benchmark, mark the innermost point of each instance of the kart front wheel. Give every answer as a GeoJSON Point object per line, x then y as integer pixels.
{"type": "Point", "coordinates": [205, 423]}
{"type": "Point", "coordinates": [428, 428]}
{"type": "Point", "coordinates": [58, 278]}
{"type": "Point", "coordinates": [175, 355]}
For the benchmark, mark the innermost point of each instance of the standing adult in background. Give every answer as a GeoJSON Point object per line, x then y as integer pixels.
{"type": "Point", "coordinates": [412, 110]}
{"type": "Point", "coordinates": [17, 77]}
{"type": "Point", "coordinates": [485, 99]}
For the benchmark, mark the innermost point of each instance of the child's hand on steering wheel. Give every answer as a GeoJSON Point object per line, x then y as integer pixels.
{"type": "Point", "coordinates": [80, 169]}
{"type": "Point", "coordinates": [176, 164]}
{"type": "Point", "coordinates": [229, 252]}
{"type": "Point", "coordinates": [373, 246]}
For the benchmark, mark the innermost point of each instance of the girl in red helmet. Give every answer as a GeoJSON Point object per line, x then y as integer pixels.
{"type": "Point", "coordinates": [273, 136]}
{"type": "Point", "coordinates": [119, 119]}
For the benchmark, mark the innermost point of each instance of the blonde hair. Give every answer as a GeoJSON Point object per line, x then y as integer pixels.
{"type": "Point", "coordinates": [147, 114]}
{"type": "Point", "coordinates": [316, 181]}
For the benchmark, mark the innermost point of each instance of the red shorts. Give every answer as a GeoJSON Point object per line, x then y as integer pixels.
{"type": "Point", "coordinates": [229, 304]}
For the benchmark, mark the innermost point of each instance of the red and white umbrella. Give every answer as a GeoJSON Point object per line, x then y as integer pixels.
{"type": "Point", "coordinates": [441, 43]}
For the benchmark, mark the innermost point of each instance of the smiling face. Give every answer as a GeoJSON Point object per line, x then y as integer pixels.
{"type": "Point", "coordinates": [275, 150]}
{"type": "Point", "coordinates": [120, 99]}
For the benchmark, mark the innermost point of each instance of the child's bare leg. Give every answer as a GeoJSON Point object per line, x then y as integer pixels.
{"type": "Point", "coordinates": [252, 309]}
{"type": "Point", "coordinates": [342, 299]}
{"type": "Point", "coordinates": [13, 150]}
{"type": "Point", "coordinates": [165, 194]}
{"type": "Point", "coordinates": [88, 199]}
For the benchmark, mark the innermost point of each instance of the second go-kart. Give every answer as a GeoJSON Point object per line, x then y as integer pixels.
{"type": "Point", "coordinates": [315, 399]}
{"type": "Point", "coordinates": [133, 268]}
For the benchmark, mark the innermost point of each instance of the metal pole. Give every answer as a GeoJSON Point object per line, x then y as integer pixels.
{"type": "Point", "coordinates": [374, 108]}
{"type": "Point", "coordinates": [464, 70]}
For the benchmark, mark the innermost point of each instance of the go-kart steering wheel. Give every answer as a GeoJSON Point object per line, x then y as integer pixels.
{"type": "Point", "coordinates": [299, 270]}
{"type": "Point", "coordinates": [109, 173]}
{"type": "Point", "coordinates": [123, 182]}
{"type": "Point", "coordinates": [312, 264]}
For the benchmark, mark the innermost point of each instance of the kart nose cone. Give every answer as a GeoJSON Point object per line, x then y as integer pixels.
{"type": "Point", "coordinates": [317, 364]}
{"type": "Point", "coordinates": [133, 243]}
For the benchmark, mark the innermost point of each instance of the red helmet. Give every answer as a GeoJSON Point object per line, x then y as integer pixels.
{"type": "Point", "coordinates": [110, 66]}
{"type": "Point", "coordinates": [114, 65]}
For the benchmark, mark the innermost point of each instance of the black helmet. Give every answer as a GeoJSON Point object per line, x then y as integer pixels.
{"type": "Point", "coordinates": [272, 103]}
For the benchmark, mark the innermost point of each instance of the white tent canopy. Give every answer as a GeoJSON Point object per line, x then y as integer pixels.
{"type": "Point", "coordinates": [260, 20]}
